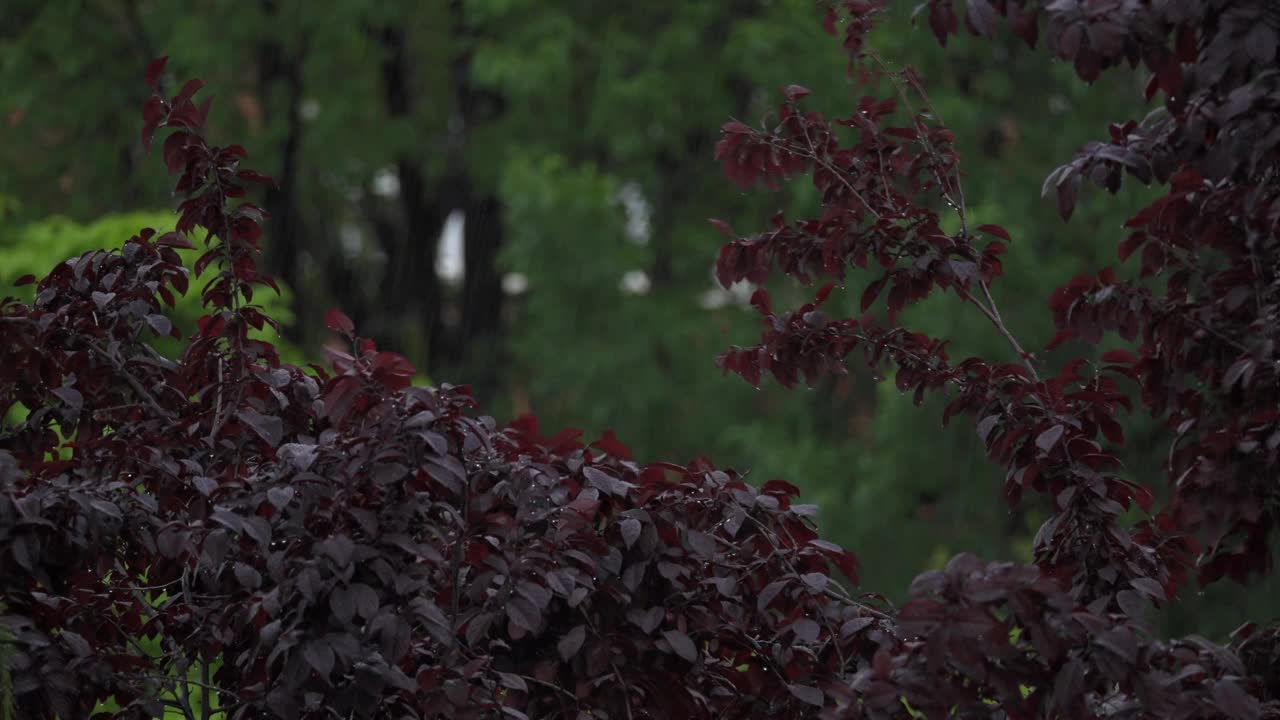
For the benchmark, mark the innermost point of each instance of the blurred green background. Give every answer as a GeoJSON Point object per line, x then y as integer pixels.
{"type": "Point", "coordinates": [515, 194]}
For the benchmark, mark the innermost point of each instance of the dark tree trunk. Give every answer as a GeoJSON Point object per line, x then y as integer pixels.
{"type": "Point", "coordinates": [475, 348]}
{"type": "Point", "coordinates": [482, 297]}
{"type": "Point", "coordinates": [286, 231]}
{"type": "Point", "coordinates": [414, 275]}
{"type": "Point", "coordinates": [412, 298]}
{"type": "Point", "coordinates": [411, 289]}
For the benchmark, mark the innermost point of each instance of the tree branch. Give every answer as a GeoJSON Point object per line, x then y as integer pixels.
{"type": "Point", "coordinates": [137, 386]}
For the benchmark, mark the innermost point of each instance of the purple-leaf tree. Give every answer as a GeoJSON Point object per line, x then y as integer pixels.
{"type": "Point", "coordinates": [1198, 314]}
{"type": "Point", "coordinates": [222, 535]}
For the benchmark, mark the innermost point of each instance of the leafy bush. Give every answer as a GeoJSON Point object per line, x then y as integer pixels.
{"type": "Point", "coordinates": [337, 542]}
{"type": "Point", "coordinates": [6, 676]}
{"type": "Point", "coordinates": [345, 542]}
{"type": "Point", "coordinates": [1197, 318]}
{"type": "Point", "coordinates": [32, 248]}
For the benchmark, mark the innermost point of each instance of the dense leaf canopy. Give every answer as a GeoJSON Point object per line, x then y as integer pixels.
{"type": "Point", "coordinates": [225, 531]}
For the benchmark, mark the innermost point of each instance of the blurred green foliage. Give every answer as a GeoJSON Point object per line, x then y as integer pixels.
{"type": "Point", "coordinates": [578, 136]}
{"type": "Point", "coordinates": [35, 248]}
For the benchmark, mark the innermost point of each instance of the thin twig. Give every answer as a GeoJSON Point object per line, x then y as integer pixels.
{"type": "Point", "coordinates": [959, 202]}
{"type": "Point", "coordinates": [812, 155]}
{"type": "Point", "coordinates": [184, 693]}
{"type": "Point", "coordinates": [196, 683]}
{"type": "Point", "coordinates": [992, 313]}
{"type": "Point", "coordinates": [626, 689]}
{"type": "Point", "coordinates": [206, 697]}
{"type": "Point", "coordinates": [1004, 330]}
{"type": "Point", "coordinates": [458, 556]}
{"type": "Point", "coordinates": [549, 686]}
{"type": "Point", "coordinates": [133, 382]}
{"type": "Point", "coordinates": [990, 310]}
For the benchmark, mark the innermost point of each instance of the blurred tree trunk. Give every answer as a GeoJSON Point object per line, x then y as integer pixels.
{"type": "Point", "coordinates": [280, 86]}
{"type": "Point", "coordinates": [411, 289]}
{"type": "Point", "coordinates": [462, 332]}
{"type": "Point", "coordinates": [474, 348]}
{"type": "Point", "coordinates": [482, 297]}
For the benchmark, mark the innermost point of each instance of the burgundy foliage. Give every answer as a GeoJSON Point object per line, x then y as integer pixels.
{"type": "Point", "coordinates": [1199, 315]}
{"type": "Point", "coordinates": [335, 542]}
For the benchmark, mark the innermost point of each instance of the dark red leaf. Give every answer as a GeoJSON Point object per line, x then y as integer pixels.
{"type": "Point", "coordinates": [1148, 587]}
{"type": "Point", "coordinates": [160, 324]}
{"type": "Point", "coordinates": [174, 240]}
{"type": "Point", "coordinates": [1143, 497]}
{"type": "Point", "coordinates": [1049, 438]}
{"type": "Point", "coordinates": [190, 88]}
{"type": "Point", "coordinates": [995, 230]}
{"type": "Point", "coordinates": [254, 176]}
{"type": "Point", "coordinates": [249, 578]}
{"type": "Point", "coordinates": [571, 642]}
{"type": "Point", "coordinates": [630, 528]}
{"type": "Point", "coordinates": [280, 497]}
{"type": "Point", "coordinates": [338, 322]}
{"type": "Point", "coordinates": [610, 444]}
{"type": "Point", "coordinates": [982, 17]}
{"type": "Point", "coordinates": [723, 227]}
{"type": "Point", "coordinates": [154, 69]}
{"type": "Point", "coordinates": [1232, 699]}
{"type": "Point", "coordinates": [681, 645]}
{"type": "Point", "coordinates": [268, 427]}
{"type": "Point", "coordinates": [808, 694]}
{"type": "Point", "coordinates": [795, 92]}
{"type": "Point", "coordinates": [512, 681]}
{"type": "Point", "coordinates": [393, 371]}
{"type": "Point", "coordinates": [319, 656]}
{"type": "Point", "coordinates": [70, 397]}
{"type": "Point", "coordinates": [174, 151]}
{"type": "Point", "coordinates": [1120, 356]}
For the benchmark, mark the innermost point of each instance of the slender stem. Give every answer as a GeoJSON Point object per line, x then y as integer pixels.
{"type": "Point", "coordinates": [1004, 330]}
{"type": "Point", "coordinates": [129, 378]}
{"type": "Point", "coordinates": [626, 689]}
{"type": "Point", "coordinates": [233, 283]}
{"type": "Point", "coordinates": [549, 686]}
{"type": "Point", "coordinates": [217, 412]}
{"type": "Point", "coordinates": [992, 313]}
{"type": "Point", "coordinates": [196, 683]}
{"type": "Point", "coordinates": [958, 202]}
{"type": "Point", "coordinates": [812, 155]}
{"type": "Point", "coordinates": [185, 694]}
{"type": "Point", "coordinates": [832, 633]}
{"type": "Point", "coordinates": [206, 697]}
{"type": "Point", "coordinates": [990, 310]}
{"type": "Point", "coordinates": [458, 556]}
